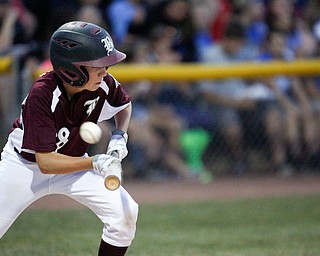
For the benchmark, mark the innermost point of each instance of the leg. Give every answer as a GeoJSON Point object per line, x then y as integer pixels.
{"type": "Point", "coordinates": [21, 183]}
{"type": "Point", "coordinates": [116, 209]}
{"type": "Point", "coordinates": [232, 132]}
{"type": "Point", "coordinates": [107, 249]}
{"type": "Point", "coordinates": [274, 125]}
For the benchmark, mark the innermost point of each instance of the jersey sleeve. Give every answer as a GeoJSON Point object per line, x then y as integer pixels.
{"type": "Point", "coordinates": [116, 95]}
{"type": "Point", "coordinates": [38, 122]}
{"type": "Point", "coordinates": [116, 98]}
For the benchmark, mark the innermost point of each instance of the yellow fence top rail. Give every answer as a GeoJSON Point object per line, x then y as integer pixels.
{"type": "Point", "coordinates": [194, 72]}
{"type": "Point", "coordinates": [5, 64]}
{"type": "Point", "coordinates": [198, 71]}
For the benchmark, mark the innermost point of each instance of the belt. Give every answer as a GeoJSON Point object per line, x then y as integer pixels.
{"type": "Point", "coordinates": [28, 156]}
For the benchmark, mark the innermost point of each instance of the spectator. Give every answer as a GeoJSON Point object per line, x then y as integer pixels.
{"type": "Point", "coordinates": [8, 17]}
{"type": "Point", "coordinates": [251, 14]}
{"type": "Point", "coordinates": [127, 19]}
{"type": "Point", "coordinates": [157, 125]}
{"type": "Point", "coordinates": [243, 112]}
{"type": "Point", "coordinates": [17, 26]}
{"type": "Point", "coordinates": [176, 14]}
{"type": "Point", "coordinates": [162, 39]}
{"type": "Point", "coordinates": [91, 13]}
{"type": "Point", "coordinates": [196, 126]}
{"type": "Point", "coordinates": [297, 118]}
{"type": "Point", "coordinates": [223, 17]}
{"type": "Point", "coordinates": [60, 11]}
{"type": "Point", "coordinates": [281, 17]}
{"type": "Point", "coordinates": [50, 15]}
{"type": "Point", "coordinates": [154, 130]}
{"type": "Point", "coordinates": [221, 97]}
{"type": "Point", "coordinates": [312, 85]}
{"type": "Point", "coordinates": [316, 32]}
{"type": "Point", "coordinates": [203, 13]}
{"type": "Point", "coordinates": [309, 11]}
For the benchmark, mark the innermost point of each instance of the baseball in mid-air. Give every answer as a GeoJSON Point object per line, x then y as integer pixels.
{"type": "Point", "coordinates": [90, 132]}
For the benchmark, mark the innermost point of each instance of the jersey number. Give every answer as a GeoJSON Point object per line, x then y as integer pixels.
{"type": "Point", "coordinates": [63, 136]}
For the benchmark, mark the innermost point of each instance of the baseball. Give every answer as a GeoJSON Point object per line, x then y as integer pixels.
{"type": "Point", "coordinates": [90, 132]}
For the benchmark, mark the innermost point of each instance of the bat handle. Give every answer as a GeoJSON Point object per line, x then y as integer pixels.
{"type": "Point", "coordinates": [113, 180]}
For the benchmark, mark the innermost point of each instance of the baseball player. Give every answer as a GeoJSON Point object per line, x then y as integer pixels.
{"type": "Point", "coordinates": [45, 154]}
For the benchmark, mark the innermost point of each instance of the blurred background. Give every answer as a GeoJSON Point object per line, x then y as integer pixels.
{"type": "Point", "coordinates": [195, 129]}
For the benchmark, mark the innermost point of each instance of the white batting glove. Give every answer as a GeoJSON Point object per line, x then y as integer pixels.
{"type": "Point", "coordinates": [118, 143]}
{"type": "Point", "coordinates": [102, 162]}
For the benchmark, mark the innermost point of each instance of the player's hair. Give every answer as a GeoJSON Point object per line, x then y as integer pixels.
{"type": "Point", "coordinates": [234, 30]}
{"type": "Point", "coordinates": [76, 45]}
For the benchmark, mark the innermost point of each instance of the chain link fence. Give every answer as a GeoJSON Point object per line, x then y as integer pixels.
{"type": "Point", "coordinates": [181, 129]}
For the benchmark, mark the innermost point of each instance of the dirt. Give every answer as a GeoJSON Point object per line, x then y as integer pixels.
{"type": "Point", "coordinates": [220, 189]}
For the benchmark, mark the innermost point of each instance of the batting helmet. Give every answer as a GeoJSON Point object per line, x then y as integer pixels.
{"type": "Point", "coordinates": [78, 44]}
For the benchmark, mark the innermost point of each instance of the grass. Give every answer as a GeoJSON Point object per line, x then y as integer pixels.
{"type": "Point", "coordinates": [270, 226]}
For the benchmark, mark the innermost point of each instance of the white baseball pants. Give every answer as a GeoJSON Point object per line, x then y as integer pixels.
{"type": "Point", "coordinates": [22, 183]}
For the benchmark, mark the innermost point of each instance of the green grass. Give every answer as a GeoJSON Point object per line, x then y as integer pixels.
{"type": "Point", "coordinates": [270, 226]}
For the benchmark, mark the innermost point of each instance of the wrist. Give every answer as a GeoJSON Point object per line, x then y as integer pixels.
{"type": "Point", "coordinates": [95, 160]}
{"type": "Point", "coordinates": [119, 133]}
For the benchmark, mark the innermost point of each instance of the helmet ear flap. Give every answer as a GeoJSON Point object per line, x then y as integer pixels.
{"type": "Point", "coordinates": [85, 75]}
{"type": "Point", "coordinates": [75, 78]}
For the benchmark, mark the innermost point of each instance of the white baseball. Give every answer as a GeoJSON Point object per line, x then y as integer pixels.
{"type": "Point", "coordinates": [90, 132]}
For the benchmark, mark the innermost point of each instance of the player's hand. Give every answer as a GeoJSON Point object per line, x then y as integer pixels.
{"type": "Point", "coordinates": [118, 143]}
{"type": "Point", "coordinates": [102, 162]}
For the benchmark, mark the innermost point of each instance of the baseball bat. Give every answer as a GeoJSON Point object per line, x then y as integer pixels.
{"type": "Point", "coordinates": [113, 180]}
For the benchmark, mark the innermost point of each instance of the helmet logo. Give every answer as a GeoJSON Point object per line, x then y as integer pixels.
{"type": "Point", "coordinates": [108, 44]}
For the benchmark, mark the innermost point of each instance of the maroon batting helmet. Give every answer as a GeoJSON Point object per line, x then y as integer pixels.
{"type": "Point", "coordinates": [78, 44]}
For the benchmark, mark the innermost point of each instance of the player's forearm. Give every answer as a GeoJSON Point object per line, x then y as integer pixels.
{"type": "Point", "coordinates": [122, 119]}
{"type": "Point", "coordinates": [55, 163]}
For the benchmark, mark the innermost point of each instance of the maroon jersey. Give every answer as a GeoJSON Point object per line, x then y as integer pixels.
{"type": "Point", "coordinates": [50, 121]}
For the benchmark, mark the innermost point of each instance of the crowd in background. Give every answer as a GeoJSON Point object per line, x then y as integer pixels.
{"type": "Point", "coordinates": [187, 130]}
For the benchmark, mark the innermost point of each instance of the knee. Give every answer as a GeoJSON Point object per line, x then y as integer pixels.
{"type": "Point", "coordinates": [130, 220]}
{"type": "Point", "coordinates": [121, 230]}
{"type": "Point", "coordinates": [131, 216]}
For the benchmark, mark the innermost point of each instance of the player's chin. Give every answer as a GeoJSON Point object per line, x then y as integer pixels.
{"type": "Point", "coordinates": [93, 87]}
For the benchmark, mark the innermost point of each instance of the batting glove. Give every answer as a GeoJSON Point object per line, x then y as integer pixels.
{"type": "Point", "coordinates": [102, 162]}
{"type": "Point", "coordinates": [118, 144]}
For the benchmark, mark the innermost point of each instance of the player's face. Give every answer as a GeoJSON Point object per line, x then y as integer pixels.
{"type": "Point", "coordinates": [95, 78]}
